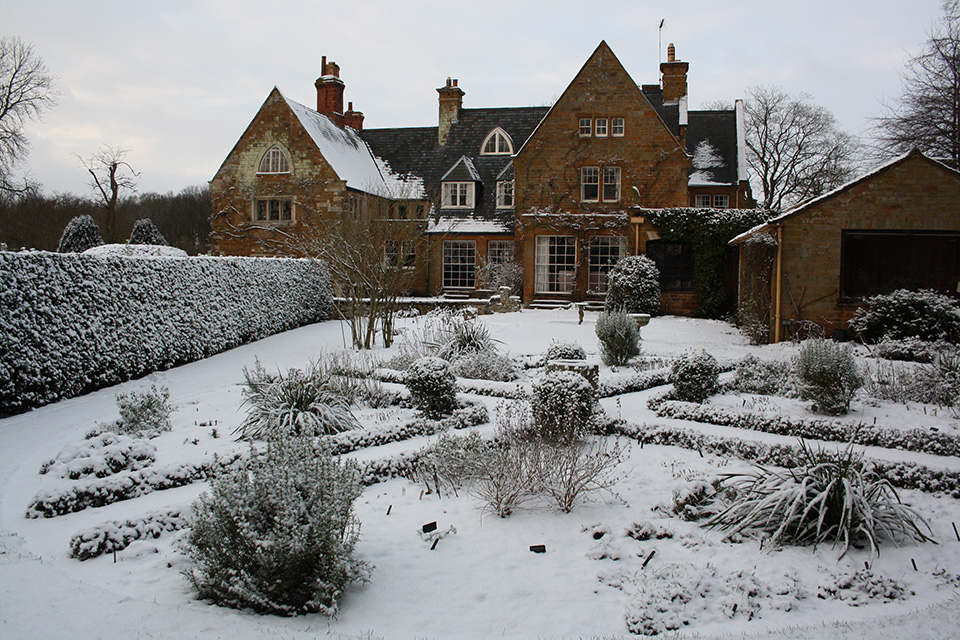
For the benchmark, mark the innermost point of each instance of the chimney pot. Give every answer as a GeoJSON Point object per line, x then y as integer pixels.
{"type": "Point", "coordinates": [349, 106]}
{"type": "Point", "coordinates": [671, 53]}
{"type": "Point", "coordinates": [455, 82]}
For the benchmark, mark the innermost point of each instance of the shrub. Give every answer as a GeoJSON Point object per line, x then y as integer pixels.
{"type": "Point", "coordinates": [763, 377]}
{"type": "Point", "coordinates": [941, 379]}
{"type": "Point", "coordinates": [433, 387]}
{"type": "Point", "coordinates": [828, 375]}
{"type": "Point", "coordinates": [508, 478]}
{"type": "Point", "coordinates": [633, 286]}
{"type": "Point", "coordinates": [145, 232]}
{"type": "Point", "coordinates": [565, 351]}
{"type": "Point", "coordinates": [695, 376]}
{"type": "Point", "coordinates": [485, 365]}
{"type": "Point", "coordinates": [563, 405]}
{"type": "Point", "coordinates": [144, 412]}
{"type": "Point", "coordinates": [80, 234]}
{"type": "Point", "coordinates": [619, 337]}
{"type": "Point", "coordinates": [277, 532]}
{"type": "Point", "coordinates": [830, 496]}
{"type": "Point", "coordinates": [300, 404]}
{"type": "Point", "coordinates": [910, 349]}
{"type": "Point", "coordinates": [453, 462]}
{"type": "Point", "coordinates": [902, 314]}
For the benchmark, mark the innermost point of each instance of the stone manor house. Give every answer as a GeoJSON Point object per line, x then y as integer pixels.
{"type": "Point", "coordinates": [560, 191]}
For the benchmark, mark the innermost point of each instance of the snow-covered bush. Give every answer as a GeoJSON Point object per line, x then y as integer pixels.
{"type": "Point", "coordinates": [298, 404]}
{"type": "Point", "coordinates": [902, 314]}
{"type": "Point", "coordinates": [763, 377]}
{"type": "Point", "coordinates": [828, 497]}
{"type": "Point", "coordinates": [102, 455]}
{"type": "Point", "coordinates": [619, 337]}
{"type": "Point", "coordinates": [563, 405]}
{"type": "Point", "coordinates": [453, 462]}
{"type": "Point", "coordinates": [467, 335]}
{"type": "Point", "coordinates": [910, 349]}
{"type": "Point", "coordinates": [144, 413]}
{"type": "Point", "coordinates": [432, 385]}
{"type": "Point", "coordinates": [559, 350]}
{"type": "Point", "coordinates": [71, 323]}
{"type": "Point", "coordinates": [80, 234]}
{"type": "Point", "coordinates": [828, 375]}
{"type": "Point", "coordinates": [695, 500]}
{"type": "Point", "coordinates": [118, 535]}
{"type": "Point", "coordinates": [633, 286]}
{"type": "Point", "coordinates": [485, 365]}
{"type": "Point", "coordinates": [695, 376]}
{"type": "Point", "coordinates": [145, 232]}
{"type": "Point", "coordinates": [277, 533]}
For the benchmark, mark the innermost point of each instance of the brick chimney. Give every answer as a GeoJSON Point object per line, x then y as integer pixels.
{"type": "Point", "coordinates": [353, 119]}
{"type": "Point", "coordinates": [330, 92]}
{"type": "Point", "coordinates": [674, 76]}
{"type": "Point", "coordinates": [451, 100]}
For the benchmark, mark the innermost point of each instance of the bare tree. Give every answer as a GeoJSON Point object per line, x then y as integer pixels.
{"type": "Point", "coordinates": [927, 114]}
{"type": "Point", "coordinates": [110, 175]}
{"type": "Point", "coordinates": [26, 90]}
{"type": "Point", "coordinates": [794, 147]}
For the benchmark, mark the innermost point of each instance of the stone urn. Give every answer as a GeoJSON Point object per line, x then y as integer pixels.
{"type": "Point", "coordinates": [642, 319]}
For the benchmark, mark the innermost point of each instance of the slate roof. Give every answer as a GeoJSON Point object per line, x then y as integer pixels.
{"type": "Point", "coordinates": [417, 151]}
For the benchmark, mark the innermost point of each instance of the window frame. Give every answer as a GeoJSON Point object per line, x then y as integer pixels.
{"type": "Point", "coordinates": [552, 275]}
{"type": "Point", "coordinates": [611, 171]}
{"type": "Point", "coordinates": [586, 127]}
{"type": "Point", "coordinates": [615, 124]}
{"type": "Point", "coordinates": [400, 254]}
{"type": "Point", "coordinates": [600, 127]}
{"type": "Point", "coordinates": [273, 156]}
{"type": "Point", "coordinates": [462, 192]}
{"type": "Point", "coordinates": [284, 207]}
{"type": "Point", "coordinates": [702, 200]}
{"type": "Point", "coordinates": [460, 273]}
{"type": "Point", "coordinates": [504, 193]}
{"type": "Point", "coordinates": [501, 251]}
{"type": "Point", "coordinates": [503, 144]}
{"type": "Point", "coordinates": [674, 260]}
{"type": "Point", "coordinates": [721, 198]}
{"type": "Point", "coordinates": [601, 259]}
{"type": "Point", "coordinates": [592, 172]}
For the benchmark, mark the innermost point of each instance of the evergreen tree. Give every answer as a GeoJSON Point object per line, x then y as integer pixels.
{"type": "Point", "coordinates": [80, 234]}
{"type": "Point", "coordinates": [145, 232]}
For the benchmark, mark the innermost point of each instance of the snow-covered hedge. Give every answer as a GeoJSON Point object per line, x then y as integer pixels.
{"type": "Point", "coordinates": [117, 535]}
{"type": "Point", "coordinates": [102, 455]}
{"type": "Point", "coordinates": [72, 323]}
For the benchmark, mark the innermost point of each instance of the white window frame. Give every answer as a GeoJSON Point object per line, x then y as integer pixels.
{"type": "Point", "coordinates": [600, 127]}
{"type": "Point", "coordinates": [586, 127]}
{"type": "Point", "coordinates": [505, 194]}
{"type": "Point", "coordinates": [589, 184]}
{"type": "Point", "coordinates": [458, 195]}
{"type": "Point", "coordinates": [401, 254]}
{"type": "Point", "coordinates": [459, 272]}
{"type": "Point", "coordinates": [501, 251]}
{"type": "Point", "coordinates": [274, 160]}
{"type": "Point", "coordinates": [617, 127]}
{"type": "Point", "coordinates": [555, 264]}
{"type": "Point", "coordinates": [721, 201]}
{"type": "Point", "coordinates": [605, 251]}
{"type": "Point", "coordinates": [703, 200]}
{"type": "Point", "coordinates": [500, 143]}
{"type": "Point", "coordinates": [273, 211]}
{"type": "Point", "coordinates": [611, 180]}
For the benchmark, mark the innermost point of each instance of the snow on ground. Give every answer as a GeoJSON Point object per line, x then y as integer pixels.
{"type": "Point", "coordinates": [481, 581]}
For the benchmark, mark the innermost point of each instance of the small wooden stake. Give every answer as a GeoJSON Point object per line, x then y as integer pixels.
{"type": "Point", "coordinates": [434, 545]}
{"type": "Point", "coordinates": [649, 558]}
{"type": "Point", "coordinates": [914, 563]}
{"type": "Point", "coordinates": [955, 531]}
{"type": "Point", "coordinates": [388, 509]}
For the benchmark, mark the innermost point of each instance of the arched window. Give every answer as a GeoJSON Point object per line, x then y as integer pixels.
{"type": "Point", "coordinates": [274, 161]}
{"type": "Point", "coordinates": [497, 143]}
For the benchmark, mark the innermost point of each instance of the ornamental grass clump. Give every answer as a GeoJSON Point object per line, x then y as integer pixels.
{"type": "Point", "coordinates": [828, 376]}
{"type": "Point", "coordinates": [276, 532]}
{"type": "Point", "coordinates": [829, 497]}
{"type": "Point", "coordinates": [298, 404]}
{"type": "Point", "coordinates": [433, 387]}
{"type": "Point", "coordinates": [695, 376]}
{"type": "Point", "coordinates": [619, 337]}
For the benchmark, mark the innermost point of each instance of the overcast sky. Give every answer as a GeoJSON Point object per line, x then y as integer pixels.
{"type": "Point", "coordinates": [176, 82]}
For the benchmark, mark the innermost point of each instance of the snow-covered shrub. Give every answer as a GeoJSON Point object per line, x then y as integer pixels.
{"type": "Point", "coordinates": [571, 470]}
{"type": "Point", "coordinates": [102, 455]}
{"type": "Point", "coordinates": [695, 500]}
{"type": "Point", "coordinates": [467, 335]}
{"type": "Point", "coordinates": [72, 323]}
{"type": "Point", "coordinates": [563, 405]}
{"type": "Point", "coordinates": [277, 533]}
{"type": "Point", "coordinates": [298, 404]}
{"type": "Point", "coordinates": [633, 286]}
{"type": "Point", "coordinates": [145, 232]}
{"type": "Point", "coordinates": [763, 377]}
{"type": "Point", "coordinates": [828, 375]}
{"type": "Point", "coordinates": [434, 333]}
{"type": "Point", "coordinates": [828, 497]}
{"type": "Point", "coordinates": [862, 586]}
{"type": "Point", "coordinates": [941, 379]}
{"type": "Point", "coordinates": [485, 365]}
{"type": "Point", "coordinates": [695, 376]}
{"type": "Point", "coordinates": [432, 385]}
{"type": "Point", "coordinates": [619, 337]}
{"type": "Point", "coordinates": [559, 350]}
{"type": "Point", "coordinates": [910, 349]}
{"type": "Point", "coordinates": [118, 535]}
{"type": "Point", "coordinates": [351, 375]}
{"type": "Point", "coordinates": [143, 413]}
{"type": "Point", "coordinates": [452, 462]}
{"type": "Point", "coordinates": [902, 314]}
{"type": "Point", "coordinates": [80, 234]}
{"type": "Point", "coordinates": [509, 474]}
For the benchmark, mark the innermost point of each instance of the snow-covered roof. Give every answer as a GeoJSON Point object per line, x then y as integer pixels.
{"type": "Point", "coordinates": [351, 158]}
{"type": "Point", "coordinates": [459, 225]}
{"type": "Point", "coordinates": [706, 158]}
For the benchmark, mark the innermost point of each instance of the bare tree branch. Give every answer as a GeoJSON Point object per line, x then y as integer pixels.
{"type": "Point", "coordinates": [110, 175]}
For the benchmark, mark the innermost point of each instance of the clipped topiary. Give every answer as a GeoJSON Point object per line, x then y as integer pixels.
{"type": "Point", "coordinates": [145, 232]}
{"type": "Point", "coordinates": [276, 532]}
{"type": "Point", "coordinates": [80, 234]}
{"type": "Point", "coordinates": [633, 286]}
{"type": "Point", "coordinates": [903, 314]}
{"type": "Point", "coordinates": [432, 385]}
{"type": "Point", "coordinates": [565, 351]}
{"type": "Point", "coordinates": [695, 376]}
{"type": "Point", "coordinates": [563, 404]}
{"type": "Point", "coordinates": [828, 375]}
{"type": "Point", "coordinates": [619, 337]}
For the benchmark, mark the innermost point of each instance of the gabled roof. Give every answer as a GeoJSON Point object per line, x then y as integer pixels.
{"type": "Point", "coordinates": [463, 170]}
{"type": "Point", "coordinates": [351, 158]}
{"type": "Point", "coordinates": [801, 208]}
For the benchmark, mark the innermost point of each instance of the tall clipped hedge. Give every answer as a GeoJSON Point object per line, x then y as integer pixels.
{"type": "Point", "coordinates": [73, 323]}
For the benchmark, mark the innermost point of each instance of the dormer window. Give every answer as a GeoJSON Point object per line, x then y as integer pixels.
{"type": "Point", "coordinates": [274, 161]}
{"type": "Point", "coordinates": [497, 143]}
{"type": "Point", "coordinates": [458, 195]}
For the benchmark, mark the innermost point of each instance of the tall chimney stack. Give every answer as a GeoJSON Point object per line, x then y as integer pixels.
{"type": "Point", "coordinates": [353, 119]}
{"type": "Point", "coordinates": [451, 101]}
{"type": "Point", "coordinates": [674, 76]}
{"type": "Point", "coordinates": [330, 92]}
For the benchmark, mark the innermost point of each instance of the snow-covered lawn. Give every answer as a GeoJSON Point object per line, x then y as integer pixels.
{"type": "Point", "coordinates": [614, 561]}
